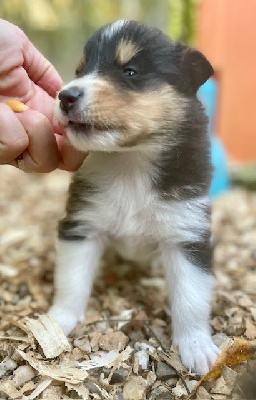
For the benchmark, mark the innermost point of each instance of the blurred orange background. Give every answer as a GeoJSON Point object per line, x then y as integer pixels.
{"type": "Point", "coordinates": [226, 34]}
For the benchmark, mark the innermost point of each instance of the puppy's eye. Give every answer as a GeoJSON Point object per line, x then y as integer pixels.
{"type": "Point", "coordinates": [128, 71]}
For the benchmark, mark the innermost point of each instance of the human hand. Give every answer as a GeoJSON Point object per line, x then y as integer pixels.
{"type": "Point", "coordinates": [28, 77]}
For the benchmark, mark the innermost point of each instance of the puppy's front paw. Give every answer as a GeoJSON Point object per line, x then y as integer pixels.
{"type": "Point", "coordinates": [197, 351]}
{"type": "Point", "coordinates": [65, 317]}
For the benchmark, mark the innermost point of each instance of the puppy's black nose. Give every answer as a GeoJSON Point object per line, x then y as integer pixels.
{"type": "Point", "coordinates": [69, 97]}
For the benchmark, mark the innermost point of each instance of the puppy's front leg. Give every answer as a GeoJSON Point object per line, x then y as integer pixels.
{"type": "Point", "coordinates": [190, 291]}
{"type": "Point", "coordinates": [77, 262]}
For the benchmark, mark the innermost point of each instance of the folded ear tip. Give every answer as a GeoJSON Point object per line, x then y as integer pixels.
{"type": "Point", "coordinates": [200, 68]}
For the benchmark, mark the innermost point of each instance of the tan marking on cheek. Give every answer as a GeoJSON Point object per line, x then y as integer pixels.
{"type": "Point", "coordinates": [110, 105]}
{"type": "Point", "coordinates": [137, 115]}
{"type": "Point", "coordinates": [153, 112]}
{"type": "Point", "coordinates": [125, 51]}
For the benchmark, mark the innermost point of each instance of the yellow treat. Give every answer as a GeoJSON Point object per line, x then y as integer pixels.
{"type": "Point", "coordinates": [17, 106]}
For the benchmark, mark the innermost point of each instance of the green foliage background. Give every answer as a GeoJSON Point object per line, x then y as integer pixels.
{"type": "Point", "coordinates": [59, 28]}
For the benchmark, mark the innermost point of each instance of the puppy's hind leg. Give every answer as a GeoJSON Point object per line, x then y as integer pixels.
{"type": "Point", "coordinates": [190, 291]}
{"type": "Point", "coordinates": [77, 262]}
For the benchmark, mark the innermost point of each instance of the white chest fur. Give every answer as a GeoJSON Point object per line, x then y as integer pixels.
{"type": "Point", "coordinates": [125, 204]}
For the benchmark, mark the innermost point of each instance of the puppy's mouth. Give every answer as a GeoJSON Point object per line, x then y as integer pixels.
{"type": "Point", "coordinates": [86, 127]}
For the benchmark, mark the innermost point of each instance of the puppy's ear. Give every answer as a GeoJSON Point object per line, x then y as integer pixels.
{"type": "Point", "coordinates": [197, 68]}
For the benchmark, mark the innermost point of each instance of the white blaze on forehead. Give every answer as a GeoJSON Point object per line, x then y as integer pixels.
{"type": "Point", "coordinates": [110, 30]}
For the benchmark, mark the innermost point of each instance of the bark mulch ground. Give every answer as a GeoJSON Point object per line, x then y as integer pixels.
{"type": "Point", "coordinates": [123, 350]}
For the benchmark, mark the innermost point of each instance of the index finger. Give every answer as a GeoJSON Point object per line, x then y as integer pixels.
{"type": "Point", "coordinates": [39, 69]}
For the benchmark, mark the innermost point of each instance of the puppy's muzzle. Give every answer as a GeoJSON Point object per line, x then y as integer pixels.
{"type": "Point", "coordinates": [69, 97]}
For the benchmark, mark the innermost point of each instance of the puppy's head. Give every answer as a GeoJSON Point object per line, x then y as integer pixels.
{"type": "Point", "coordinates": [131, 86]}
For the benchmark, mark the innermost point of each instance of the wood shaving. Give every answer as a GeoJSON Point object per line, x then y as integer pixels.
{"type": "Point", "coordinates": [80, 389]}
{"type": "Point", "coordinates": [8, 388]}
{"type": "Point", "coordinates": [101, 359]}
{"type": "Point", "coordinates": [57, 372]}
{"type": "Point", "coordinates": [43, 384]}
{"type": "Point", "coordinates": [49, 335]}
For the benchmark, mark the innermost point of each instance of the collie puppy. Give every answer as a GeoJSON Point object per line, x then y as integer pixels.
{"type": "Point", "coordinates": [143, 189]}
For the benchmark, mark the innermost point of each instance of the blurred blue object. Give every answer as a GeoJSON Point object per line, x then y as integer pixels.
{"type": "Point", "coordinates": [220, 182]}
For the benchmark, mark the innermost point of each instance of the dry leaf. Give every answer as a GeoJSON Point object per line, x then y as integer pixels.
{"type": "Point", "coordinates": [236, 351]}
{"type": "Point", "coordinates": [49, 335]}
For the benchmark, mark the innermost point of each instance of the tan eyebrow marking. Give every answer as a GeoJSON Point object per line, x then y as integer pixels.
{"type": "Point", "coordinates": [125, 51]}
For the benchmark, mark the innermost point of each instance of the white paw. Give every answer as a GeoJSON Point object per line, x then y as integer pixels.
{"type": "Point", "coordinates": [65, 317]}
{"type": "Point", "coordinates": [197, 351]}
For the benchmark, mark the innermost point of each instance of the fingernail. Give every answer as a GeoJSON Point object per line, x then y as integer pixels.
{"type": "Point", "coordinates": [17, 106]}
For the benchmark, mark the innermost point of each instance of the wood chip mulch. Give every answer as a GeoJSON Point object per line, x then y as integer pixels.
{"type": "Point", "coordinates": [123, 350]}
